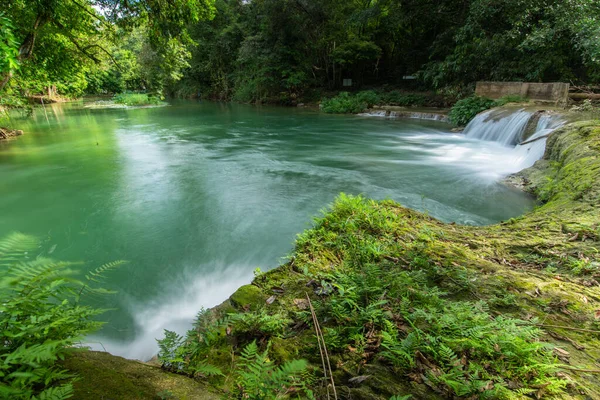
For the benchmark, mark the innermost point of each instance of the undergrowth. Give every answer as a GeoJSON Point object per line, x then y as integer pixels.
{"type": "Point", "coordinates": [136, 99]}
{"type": "Point", "coordinates": [466, 109]}
{"type": "Point", "coordinates": [344, 103]}
{"type": "Point", "coordinates": [42, 318]}
{"type": "Point", "coordinates": [347, 103]}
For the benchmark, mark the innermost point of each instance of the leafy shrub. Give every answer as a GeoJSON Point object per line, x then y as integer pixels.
{"type": "Point", "coordinates": [587, 109]}
{"type": "Point", "coordinates": [397, 98]}
{"type": "Point", "coordinates": [511, 98]}
{"type": "Point", "coordinates": [466, 109]}
{"type": "Point", "coordinates": [42, 317]}
{"type": "Point", "coordinates": [368, 97]}
{"type": "Point", "coordinates": [343, 103]}
{"type": "Point", "coordinates": [136, 99]}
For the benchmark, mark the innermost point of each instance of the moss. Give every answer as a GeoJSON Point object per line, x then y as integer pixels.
{"type": "Point", "coordinates": [105, 376]}
{"type": "Point", "coordinates": [247, 296]}
{"type": "Point", "coordinates": [283, 350]}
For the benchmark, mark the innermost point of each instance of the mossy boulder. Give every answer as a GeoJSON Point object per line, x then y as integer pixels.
{"type": "Point", "coordinates": [104, 376]}
{"type": "Point", "coordinates": [247, 297]}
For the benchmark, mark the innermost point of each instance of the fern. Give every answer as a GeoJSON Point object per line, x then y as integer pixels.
{"type": "Point", "coordinates": [206, 369]}
{"type": "Point", "coordinates": [41, 318]}
{"type": "Point", "coordinates": [56, 393]}
{"type": "Point", "coordinates": [15, 246]}
{"type": "Point", "coordinates": [259, 379]}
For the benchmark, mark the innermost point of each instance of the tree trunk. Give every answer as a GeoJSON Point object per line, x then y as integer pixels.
{"type": "Point", "coordinates": [584, 96]}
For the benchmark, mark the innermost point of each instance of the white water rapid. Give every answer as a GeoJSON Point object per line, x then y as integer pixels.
{"type": "Point", "coordinates": [525, 142]}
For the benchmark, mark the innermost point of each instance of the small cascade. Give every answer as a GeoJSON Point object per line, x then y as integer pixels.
{"type": "Point", "coordinates": [523, 132]}
{"type": "Point", "coordinates": [529, 151]}
{"type": "Point", "coordinates": [501, 126]}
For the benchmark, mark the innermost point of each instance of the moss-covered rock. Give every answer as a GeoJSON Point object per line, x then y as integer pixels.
{"type": "Point", "coordinates": [104, 376]}
{"type": "Point", "coordinates": [247, 296]}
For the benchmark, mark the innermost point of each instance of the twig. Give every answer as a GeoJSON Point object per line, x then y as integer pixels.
{"type": "Point", "coordinates": [535, 139]}
{"type": "Point", "coordinates": [314, 318]}
{"type": "Point", "coordinates": [320, 339]}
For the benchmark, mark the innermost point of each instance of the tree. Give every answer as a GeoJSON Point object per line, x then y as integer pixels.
{"type": "Point", "coordinates": [59, 37]}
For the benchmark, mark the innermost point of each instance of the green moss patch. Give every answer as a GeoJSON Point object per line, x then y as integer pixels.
{"type": "Point", "coordinates": [104, 376]}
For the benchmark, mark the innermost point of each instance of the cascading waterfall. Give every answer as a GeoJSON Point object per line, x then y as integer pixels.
{"type": "Point", "coordinates": [503, 126]}
{"type": "Point", "coordinates": [523, 132]}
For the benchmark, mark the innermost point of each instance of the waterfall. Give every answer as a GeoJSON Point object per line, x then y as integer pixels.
{"type": "Point", "coordinates": [523, 132]}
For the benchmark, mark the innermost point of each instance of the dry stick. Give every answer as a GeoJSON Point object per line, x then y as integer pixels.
{"type": "Point", "coordinates": [320, 335]}
{"type": "Point", "coordinates": [534, 139]}
{"type": "Point", "coordinates": [314, 318]}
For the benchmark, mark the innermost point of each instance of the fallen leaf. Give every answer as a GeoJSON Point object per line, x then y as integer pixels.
{"type": "Point", "coordinates": [561, 352]}
{"type": "Point", "coordinates": [359, 379]}
{"type": "Point", "coordinates": [301, 303]}
{"type": "Point", "coordinates": [270, 300]}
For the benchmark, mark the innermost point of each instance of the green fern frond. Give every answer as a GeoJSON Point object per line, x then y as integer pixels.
{"type": "Point", "coordinates": [56, 393]}
{"type": "Point", "coordinates": [98, 274]}
{"type": "Point", "coordinates": [14, 247]}
{"type": "Point", "coordinates": [207, 370]}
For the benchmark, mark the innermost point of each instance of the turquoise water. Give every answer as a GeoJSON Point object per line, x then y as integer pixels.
{"type": "Point", "coordinates": [197, 195]}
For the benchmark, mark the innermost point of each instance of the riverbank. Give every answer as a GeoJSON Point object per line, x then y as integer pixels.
{"type": "Point", "coordinates": [410, 305]}
{"type": "Point", "coordinates": [6, 133]}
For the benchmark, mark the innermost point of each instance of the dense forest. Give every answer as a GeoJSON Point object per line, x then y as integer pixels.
{"type": "Point", "coordinates": [286, 51]}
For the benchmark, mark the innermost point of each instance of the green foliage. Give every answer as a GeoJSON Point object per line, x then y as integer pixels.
{"type": "Point", "coordinates": [435, 332]}
{"type": "Point", "coordinates": [42, 318]}
{"type": "Point", "coordinates": [368, 97]}
{"type": "Point", "coordinates": [411, 311]}
{"type": "Point", "coordinates": [587, 109]}
{"type": "Point", "coordinates": [398, 98]}
{"type": "Point", "coordinates": [259, 324]}
{"type": "Point", "coordinates": [9, 47]}
{"type": "Point", "coordinates": [518, 40]}
{"type": "Point", "coordinates": [136, 99]}
{"type": "Point", "coordinates": [466, 109]}
{"type": "Point", "coordinates": [259, 379]}
{"type": "Point", "coordinates": [344, 103]}
{"type": "Point", "coordinates": [61, 44]}
{"type": "Point", "coordinates": [515, 98]}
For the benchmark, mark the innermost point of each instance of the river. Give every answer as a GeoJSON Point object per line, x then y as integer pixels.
{"type": "Point", "coordinates": [197, 195]}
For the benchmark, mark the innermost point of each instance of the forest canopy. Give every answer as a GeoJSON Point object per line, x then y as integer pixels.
{"type": "Point", "coordinates": [283, 50]}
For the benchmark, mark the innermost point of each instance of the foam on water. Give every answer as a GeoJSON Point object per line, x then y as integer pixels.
{"type": "Point", "coordinates": [507, 129]}
{"type": "Point", "coordinates": [175, 311]}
